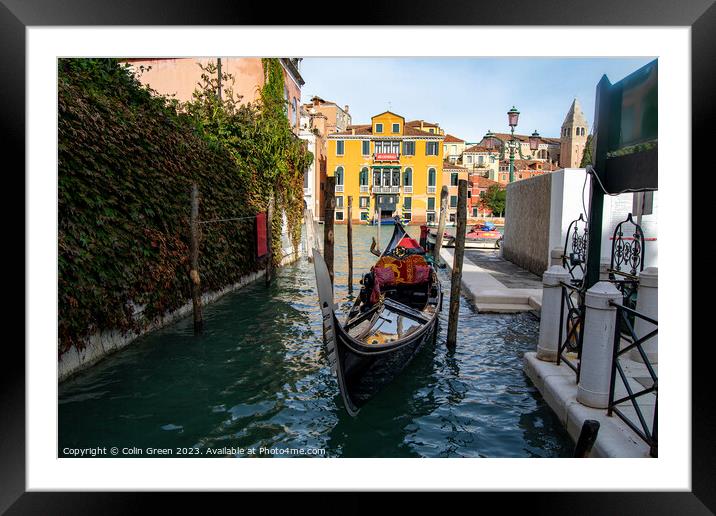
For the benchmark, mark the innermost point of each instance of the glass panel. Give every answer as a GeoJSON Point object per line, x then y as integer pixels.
{"type": "Point", "coordinates": [386, 178]}
{"type": "Point", "coordinates": [431, 177]}
{"type": "Point", "coordinates": [396, 177]}
{"type": "Point", "coordinates": [453, 201]}
{"type": "Point", "coordinates": [407, 203]}
{"type": "Point", "coordinates": [408, 177]}
{"type": "Point", "coordinates": [431, 203]}
{"type": "Point", "coordinates": [391, 326]}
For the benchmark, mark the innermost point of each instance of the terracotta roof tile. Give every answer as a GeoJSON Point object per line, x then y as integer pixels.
{"type": "Point", "coordinates": [450, 138]}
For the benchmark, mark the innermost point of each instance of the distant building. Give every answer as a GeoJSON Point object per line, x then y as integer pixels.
{"type": "Point", "coordinates": [453, 147]}
{"type": "Point", "coordinates": [451, 175]}
{"type": "Point", "coordinates": [337, 118]}
{"type": "Point", "coordinates": [478, 186]}
{"type": "Point", "coordinates": [574, 137]}
{"type": "Point", "coordinates": [390, 166]}
{"type": "Point", "coordinates": [179, 77]}
{"type": "Point", "coordinates": [313, 131]}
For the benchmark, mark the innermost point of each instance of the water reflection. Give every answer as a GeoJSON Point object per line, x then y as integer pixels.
{"type": "Point", "coordinates": [258, 376]}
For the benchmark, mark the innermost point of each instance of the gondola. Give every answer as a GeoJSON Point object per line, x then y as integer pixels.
{"type": "Point", "coordinates": [395, 313]}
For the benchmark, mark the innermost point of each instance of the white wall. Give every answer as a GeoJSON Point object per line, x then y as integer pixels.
{"type": "Point", "coordinates": [568, 190]}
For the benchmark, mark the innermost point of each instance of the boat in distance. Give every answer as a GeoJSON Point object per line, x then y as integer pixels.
{"type": "Point", "coordinates": [394, 315]}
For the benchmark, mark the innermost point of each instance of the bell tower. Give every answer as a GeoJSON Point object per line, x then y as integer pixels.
{"type": "Point", "coordinates": [574, 137]}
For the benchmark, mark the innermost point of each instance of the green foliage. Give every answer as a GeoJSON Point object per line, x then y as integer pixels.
{"type": "Point", "coordinates": [495, 199]}
{"type": "Point", "coordinates": [587, 155]}
{"type": "Point", "coordinates": [127, 159]}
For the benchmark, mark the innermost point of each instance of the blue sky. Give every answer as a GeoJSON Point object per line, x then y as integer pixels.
{"type": "Point", "coordinates": [466, 96]}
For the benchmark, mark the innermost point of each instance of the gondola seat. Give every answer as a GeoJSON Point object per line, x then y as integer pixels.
{"type": "Point", "coordinates": [411, 270]}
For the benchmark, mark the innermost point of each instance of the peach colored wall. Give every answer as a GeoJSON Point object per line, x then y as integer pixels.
{"type": "Point", "coordinates": [180, 76]}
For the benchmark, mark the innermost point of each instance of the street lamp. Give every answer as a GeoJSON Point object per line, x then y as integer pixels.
{"type": "Point", "coordinates": [513, 116]}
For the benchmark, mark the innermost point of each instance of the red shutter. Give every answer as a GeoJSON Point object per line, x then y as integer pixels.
{"type": "Point", "coordinates": [261, 247]}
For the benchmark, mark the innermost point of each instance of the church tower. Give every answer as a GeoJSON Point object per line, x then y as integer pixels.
{"type": "Point", "coordinates": [574, 137]}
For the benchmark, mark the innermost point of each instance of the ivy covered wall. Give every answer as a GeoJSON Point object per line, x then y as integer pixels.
{"type": "Point", "coordinates": [127, 160]}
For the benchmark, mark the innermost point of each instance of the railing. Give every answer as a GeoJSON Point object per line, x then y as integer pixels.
{"type": "Point", "coordinates": [431, 189]}
{"type": "Point", "coordinates": [574, 256]}
{"type": "Point", "coordinates": [627, 251]}
{"type": "Point", "coordinates": [339, 188]}
{"type": "Point", "coordinates": [364, 188]}
{"type": "Point", "coordinates": [624, 321]}
{"type": "Point", "coordinates": [408, 189]}
{"type": "Point", "coordinates": [386, 189]}
{"type": "Point", "coordinates": [573, 301]}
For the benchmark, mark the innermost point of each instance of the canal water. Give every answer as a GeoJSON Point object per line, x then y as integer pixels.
{"type": "Point", "coordinates": [258, 378]}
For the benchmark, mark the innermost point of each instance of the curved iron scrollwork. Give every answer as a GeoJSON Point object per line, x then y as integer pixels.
{"type": "Point", "coordinates": [628, 251]}
{"type": "Point", "coordinates": [574, 256]}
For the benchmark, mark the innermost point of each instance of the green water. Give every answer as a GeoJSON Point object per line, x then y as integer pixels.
{"type": "Point", "coordinates": [257, 377]}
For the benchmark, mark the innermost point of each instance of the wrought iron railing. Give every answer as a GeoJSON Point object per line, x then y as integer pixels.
{"type": "Point", "coordinates": [625, 315]}
{"type": "Point", "coordinates": [627, 260]}
{"type": "Point", "coordinates": [573, 309]}
{"type": "Point", "coordinates": [574, 256]}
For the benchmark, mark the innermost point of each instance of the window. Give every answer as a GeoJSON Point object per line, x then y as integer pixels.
{"type": "Point", "coordinates": [339, 176]}
{"type": "Point", "coordinates": [431, 148]}
{"type": "Point", "coordinates": [469, 194]}
{"type": "Point", "coordinates": [339, 215]}
{"type": "Point", "coordinates": [386, 177]}
{"type": "Point", "coordinates": [408, 177]}
{"type": "Point", "coordinates": [407, 203]}
{"type": "Point", "coordinates": [396, 128]}
{"type": "Point", "coordinates": [364, 202]}
{"type": "Point", "coordinates": [430, 216]}
{"type": "Point", "coordinates": [390, 147]}
{"type": "Point", "coordinates": [480, 159]}
{"type": "Point", "coordinates": [364, 215]}
{"type": "Point", "coordinates": [378, 128]}
{"type": "Point", "coordinates": [469, 160]}
{"type": "Point", "coordinates": [366, 147]}
{"type": "Point", "coordinates": [453, 179]}
{"type": "Point", "coordinates": [474, 212]}
{"type": "Point", "coordinates": [295, 111]}
{"type": "Point", "coordinates": [431, 130]}
{"type": "Point", "coordinates": [431, 177]}
{"type": "Point", "coordinates": [407, 215]}
{"type": "Point", "coordinates": [340, 147]}
{"type": "Point", "coordinates": [339, 201]}
{"type": "Point", "coordinates": [452, 217]}
{"type": "Point", "coordinates": [363, 177]}
{"type": "Point", "coordinates": [409, 148]}
{"type": "Point", "coordinates": [396, 177]}
{"type": "Point", "coordinates": [453, 201]}
{"type": "Point", "coordinates": [431, 203]}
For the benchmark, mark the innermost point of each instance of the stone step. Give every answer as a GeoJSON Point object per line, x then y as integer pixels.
{"type": "Point", "coordinates": [506, 298]}
{"type": "Point", "coordinates": [503, 308]}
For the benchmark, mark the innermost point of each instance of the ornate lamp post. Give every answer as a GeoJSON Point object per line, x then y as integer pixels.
{"type": "Point", "coordinates": [513, 143]}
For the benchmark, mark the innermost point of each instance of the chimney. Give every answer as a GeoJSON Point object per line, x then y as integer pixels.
{"type": "Point", "coordinates": [353, 130]}
{"type": "Point", "coordinates": [345, 108]}
{"type": "Point", "coordinates": [315, 101]}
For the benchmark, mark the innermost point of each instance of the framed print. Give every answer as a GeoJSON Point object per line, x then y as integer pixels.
{"type": "Point", "coordinates": [158, 209]}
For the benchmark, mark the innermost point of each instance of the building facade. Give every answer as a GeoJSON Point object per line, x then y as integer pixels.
{"type": "Point", "coordinates": [451, 175]}
{"type": "Point", "coordinates": [390, 167]}
{"type": "Point", "coordinates": [453, 147]}
{"type": "Point", "coordinates": [178, 77]}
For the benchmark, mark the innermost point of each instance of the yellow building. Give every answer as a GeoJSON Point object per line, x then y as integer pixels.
{"type": "Point", "coordinates": [388, 166]}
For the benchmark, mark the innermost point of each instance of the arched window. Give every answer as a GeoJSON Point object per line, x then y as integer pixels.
{"type": "Point", "coordinates": [363, 178]}
{"type": "Point", "coordinates": [295, 112]}
{"type": "Point", "coordinates": [339, 175]}
{"type": "Point", "coordinates": [408, 177]}
{"type": "Point", "coordinates": [431, 177]}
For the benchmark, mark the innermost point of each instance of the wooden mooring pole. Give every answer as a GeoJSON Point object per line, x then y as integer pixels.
{"type": "Point", "coordinates": [377, 218]}
{"type": "Point", "coordinates": [349, 235]}
{"type": "Point", "coordinates": [308, 218]}
{"type": "Point", "coordinates": [329, 214]}
{"type": "Point", "coordinates": [587, 438]}
{"type": "Point", "coordinates": [441, 223]}
{"type": "Point", "coordinates": [456, 279]}
{"type": "Point", "coordinates": [194, 258]}
{"type": "Point", "coordinates": [269, 259]}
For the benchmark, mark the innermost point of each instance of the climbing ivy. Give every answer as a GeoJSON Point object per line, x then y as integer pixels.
{"type": "Point", "coordinates": [127, 158]}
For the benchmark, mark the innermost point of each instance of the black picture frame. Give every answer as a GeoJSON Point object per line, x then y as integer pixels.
{"type": "Point", "coordinates": [17, 15]}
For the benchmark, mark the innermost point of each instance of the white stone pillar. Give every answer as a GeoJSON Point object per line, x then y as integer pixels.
{"type": "Point", "coordinates": [598, 345]}
{"type": "Point", "coordinates": [549, 314]}
{"type": "Point", "coordinates": [647, 303]}
{"type": "Point", "coordinates": [555, 256]}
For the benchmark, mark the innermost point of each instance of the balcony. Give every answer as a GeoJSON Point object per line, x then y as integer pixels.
{"type": "Point", "coordinates": [431, 189]}
{"type": "Point", "coordinates": [364, 188]}
{"type": "Point", "coordinates": [339, 188]}
{"type": "Point", "coordinates": [386, 189]}
{"type": "Point", "coordinates": [408, 189]}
